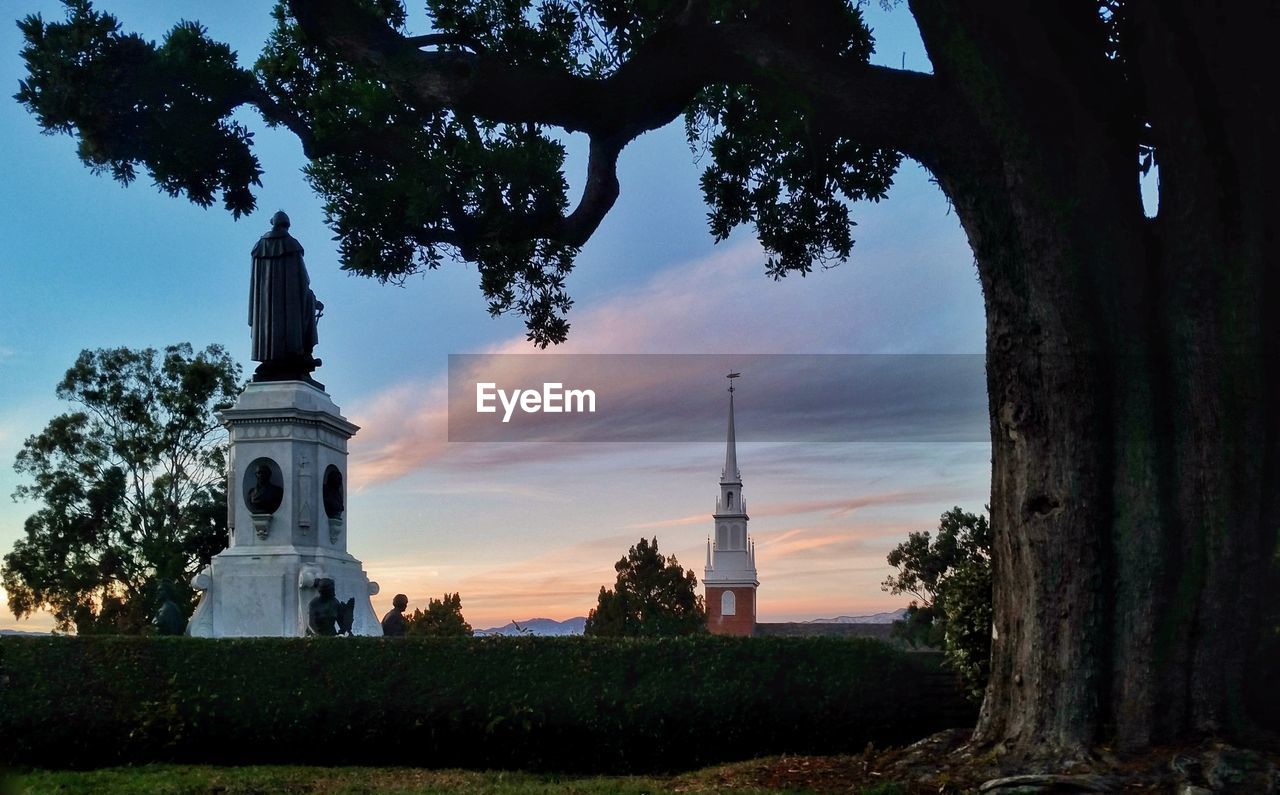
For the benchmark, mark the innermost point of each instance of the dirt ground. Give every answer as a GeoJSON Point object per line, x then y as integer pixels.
{"type": "Point", "coordinates": [943, 765]}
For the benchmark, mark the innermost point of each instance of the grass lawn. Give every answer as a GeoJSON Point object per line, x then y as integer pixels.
{"type": "Point", "coordinates": [743, 778]}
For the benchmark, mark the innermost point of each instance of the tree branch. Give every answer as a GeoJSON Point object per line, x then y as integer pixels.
{"type": "Point", "coordinates": [435, 39]}
{"type": "Point", "coordinates": [275, 113]}
{"type": "Point", "coordinates": [874, 105]}
{"type": "Point", "coordinates": [598, 195]}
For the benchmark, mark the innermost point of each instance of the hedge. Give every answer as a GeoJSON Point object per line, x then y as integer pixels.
{"type": "Point", "coordinates": [565, 704]}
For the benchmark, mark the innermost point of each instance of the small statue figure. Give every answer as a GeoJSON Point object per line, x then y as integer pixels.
{"type": "Point", "coordinates": [394, 624]}
{"type": "Point", "coordinates": [322, 613]}
{"type": "Point", "coordinates": [283, 311]}
{"type": "Point", "coordinates": [326, 616]}
{"type": "Point", "coordinates": [264, 496]}
{"type": "Point", "coordinates": [169, 619]}
{"type": "Point", "coordinates": [346, 616]}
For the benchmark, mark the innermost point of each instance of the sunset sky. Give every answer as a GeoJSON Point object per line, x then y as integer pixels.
{"type": "Point", "coordinates": [520, 529]}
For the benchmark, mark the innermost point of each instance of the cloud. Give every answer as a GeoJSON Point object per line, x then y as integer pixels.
{"type": "Point", "coordinates": [833, 508]}
{"type": "Point", "coordinates": [841, 507]}
{"type": "Point", "coordinates": [404, 429]}
{"type": "Point", "coordinates": [683, 521]}
{"type": "Point", "coordinates": [698, 308]}
{"type": "Point", "coordinates": [560, 582]}
{"type": "Point", "coordinates": [804, 542]}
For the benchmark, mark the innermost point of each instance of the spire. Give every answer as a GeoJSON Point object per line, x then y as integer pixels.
{"type": "Point", "coordinates": [731, 473]}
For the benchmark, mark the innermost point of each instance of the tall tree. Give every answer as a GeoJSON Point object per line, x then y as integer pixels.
{"type": "Point", "coordinates": [131, 486]}
{"type": "Point", "coordinates": [1131, 360]}
{"type": "Point", "coordinates": [442, 619]}
{"type": "Point", "coordinates": [950, 577]}
{"type": "Point", "coordinates": [652, 596]}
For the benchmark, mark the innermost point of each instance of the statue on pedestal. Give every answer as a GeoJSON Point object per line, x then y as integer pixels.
{"type": "Point", "coordinates": [326, 616]}
{"type": "Point", "coordinates": [282, 309]}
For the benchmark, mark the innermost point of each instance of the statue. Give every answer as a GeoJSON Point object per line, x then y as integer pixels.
{"type": "Point", "coordinates": [331, 493]}
{"type": "Point", "coordinates": [282, 309]}
{"type": "Point", "coordinates": [394, 624]}
{"type": "Point", "coordinates": [169, 619]}
{"type": "Point", "coordinates": [264, 496]}
{"type": "Point", "coordinates": [346, 616]}
{"type": "Point", "coordinates": [326, 616]}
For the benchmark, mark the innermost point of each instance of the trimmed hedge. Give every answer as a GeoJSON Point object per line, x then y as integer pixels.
{"type": "Point", "coordinates": [568, 704]}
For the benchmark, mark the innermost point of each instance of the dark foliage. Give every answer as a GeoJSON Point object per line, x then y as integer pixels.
{"type": "Point", "coordinates": [442, 619]}
{"type": "Point", "coordinates": [131, 487]}
{"type": "Point", "coordinates": [530, 703]}
{"type": "Point", "coordinates": [652, 596]}
{"type": "Point", "coordinates": [950, 577]}
{"type": "Point", "coordinates": [409, 184]}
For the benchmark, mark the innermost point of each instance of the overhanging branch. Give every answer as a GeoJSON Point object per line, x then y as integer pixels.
{"type": "Point", "coordinates": [876, 106]}
{"type": "Point", "coordinates": [275, 113]}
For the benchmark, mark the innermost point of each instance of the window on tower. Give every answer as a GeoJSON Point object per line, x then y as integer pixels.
{"type": "Point", "coordinates": [730, 505]}
{"type": "Point", "coordinates": [728, 604]}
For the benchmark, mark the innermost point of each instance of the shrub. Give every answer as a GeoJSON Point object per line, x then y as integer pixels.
{"type": "Point", "coordinates": [570, 704]}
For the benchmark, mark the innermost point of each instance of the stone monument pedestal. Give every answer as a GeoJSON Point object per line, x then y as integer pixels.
{"type": "Point", "coordinates": [286, 509]}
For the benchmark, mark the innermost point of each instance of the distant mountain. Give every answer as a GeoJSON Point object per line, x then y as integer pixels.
{"type": "Point", "coordinates": [878, 618]}
{"type": "Point", "coordinates": [539, 626]}
{"type": "Point", "coordinates": [23, 632]}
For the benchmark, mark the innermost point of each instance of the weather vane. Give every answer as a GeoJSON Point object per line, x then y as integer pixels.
{"type": "Point", "coordinates": [732, 376]}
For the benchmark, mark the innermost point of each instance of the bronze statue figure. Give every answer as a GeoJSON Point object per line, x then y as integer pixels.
{"type": "Point", "coordinates": [394, 624]}
{"type": "Point", "coordinates": [346, 616]}
{"type": "Point", "coordinates": [326, 616]}
{"type": "Point", "coordinates": [264, 496]}
{"type": "Point", "coordinates": [331, 492]}
{"type": "Point", "coordinates": [169, 619]}
{"type": "Point", "coordinates": [282, 309]}
{"type": "Point", "coordinates": [322, 613]}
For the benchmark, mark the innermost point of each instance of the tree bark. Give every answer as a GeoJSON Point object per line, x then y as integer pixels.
{"type": "Point", "coordinates": [1131, 367]}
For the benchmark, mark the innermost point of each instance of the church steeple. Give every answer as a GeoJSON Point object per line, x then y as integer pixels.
{"type": "Point", "coordinates": [731, 502]}
{"type": "Point", "coordinates": [730, 576]}
{"type": "Point", "coordinates": [730, 473]}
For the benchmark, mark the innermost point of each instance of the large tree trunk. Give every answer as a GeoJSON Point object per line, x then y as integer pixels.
{"type": "Point", "coordinates": [1132, 367]}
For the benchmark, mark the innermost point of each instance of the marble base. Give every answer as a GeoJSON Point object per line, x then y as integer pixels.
{"type": "Point", "coordinates": [264, 592]}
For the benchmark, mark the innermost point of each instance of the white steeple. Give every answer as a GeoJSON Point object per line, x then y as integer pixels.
{"type": "Point", "coordinates": [730, 502]}
{"type": "Point", "coordinates": [730, 473]}
{"type": "Point", "coordinates": [730, 576]}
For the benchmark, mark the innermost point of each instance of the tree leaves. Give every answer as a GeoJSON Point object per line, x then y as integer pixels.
{"type": "Point", "coordinates": [132, 103]}
{"type": "Point", "coordinates": [950, 577]}
{"type": "Point", "coordinates": [652, 596]}
{"type": "Point", "coordinates": [442, 619]}
{"type": "Point", "coordinates": [131, 487]}
{"type": "Point", "coordinates": [407, 185]}
{"type": "Point", "coordinates": [773, 166]}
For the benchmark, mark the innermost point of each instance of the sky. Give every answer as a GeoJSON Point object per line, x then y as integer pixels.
{"type": "Point", "coordinates": [527, 529]}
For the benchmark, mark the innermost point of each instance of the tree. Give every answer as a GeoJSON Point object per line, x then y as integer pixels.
{"type": "Point", "coordinates": [131, 486]}
{"type": "Point", "coordinates": [653, 596]}
{"type": "Point", "coordinates": [442, 619]}
{"type": "Point", "coordinates": [1131, 361]}
{"type": "Point", "coordinates": [950, 578]}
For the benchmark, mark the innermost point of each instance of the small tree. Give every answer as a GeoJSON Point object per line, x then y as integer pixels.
{"type": "Point", "coordinates": [652, 596]}
{"type": "Point", "coordinates": [950, 578]}
{"type": "Point", "coordinates": [442, 619]}
{"type": "Point", "coordinates": [131, 487]}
